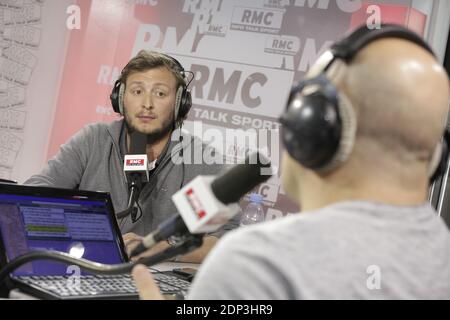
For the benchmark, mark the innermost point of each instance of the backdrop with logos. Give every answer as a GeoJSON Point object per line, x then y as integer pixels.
{"type": "Point", "coordinates": [244, 55]}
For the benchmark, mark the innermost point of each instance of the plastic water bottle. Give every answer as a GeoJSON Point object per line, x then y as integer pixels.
{"type": "Point", "coordinates": [254, 211]}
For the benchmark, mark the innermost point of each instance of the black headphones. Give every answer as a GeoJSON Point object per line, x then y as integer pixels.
{"type": "Point", "coordinates": [183, 100]}
{"type": "Point", "coordinates": [319, 123]}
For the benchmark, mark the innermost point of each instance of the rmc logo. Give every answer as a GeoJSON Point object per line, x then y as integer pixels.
{"type": "Point", "coordinates": [257, 19]}
{"type": "Point", "coordinates": [135, 162]}
{"type": "Point", "coordinates": [282, 45]}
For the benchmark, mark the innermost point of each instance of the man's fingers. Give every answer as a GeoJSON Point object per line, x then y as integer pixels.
{"type": "Point", "coordinates": [130, 237]}
{"type": "Point", "coordinates": [145, 284]}
{"type": "Point", "coordinates": [131, 241]}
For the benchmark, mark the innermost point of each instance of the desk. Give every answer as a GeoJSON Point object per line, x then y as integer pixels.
{"type": "Point", "coordinates": [17, 294]}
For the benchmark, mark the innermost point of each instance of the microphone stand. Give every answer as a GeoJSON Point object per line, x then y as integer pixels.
{"type": "Point", "coordinates": [190, 243]}
{"type": "Point", "coordinates": [135, 188]}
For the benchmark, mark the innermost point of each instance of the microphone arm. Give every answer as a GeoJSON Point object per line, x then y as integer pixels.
{"type": "Point", "coordinates": [188, 245]}
{"type": "Point", "coordinates": [172, 226]}
{"type": "Point", "coordinates": [135, 190]}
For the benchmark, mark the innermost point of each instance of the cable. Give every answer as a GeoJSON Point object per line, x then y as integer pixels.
{"type": "Point", "coordinates": [135, 218]}
{"type": "Point", "coordinates": [182, 159]}
{"type": "Point", "coordinates": [8, 181]}
{"type": "Point", "coordinates": [183, 176]}
{"type": "Point", "coordinates": [188, 245]}
{"type": "Point", "coordinates": [189, 80]}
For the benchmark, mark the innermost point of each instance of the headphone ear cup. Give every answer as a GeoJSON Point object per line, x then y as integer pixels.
{"type": "Point", "coordinates": [121, 93]}
{"type": "Point", "coordinates": [348, 133]}
{"type": "Point", "coordinates": [178, 97]}
{"type": "Point", "coordinates": [116, 97]}
{"type": "Point", "coordinates": [311, 130]}
{"type": "Point", "coordinates": [439, 159]}
{"type": "Point", "coordinates": [291, 143]}
{"type": "Point", "coordinates": [183, 103]}
{"type": "Point", "coordinates": [186, 104]}
{"type": "Point", "coordinates": [319, 127]}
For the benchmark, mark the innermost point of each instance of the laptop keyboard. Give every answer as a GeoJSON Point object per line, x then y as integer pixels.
{"type": "Point", "coordinates": [98, 286]}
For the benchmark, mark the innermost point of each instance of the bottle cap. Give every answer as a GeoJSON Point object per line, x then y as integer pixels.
{"type": "Point", "coordinates": [256, 197]}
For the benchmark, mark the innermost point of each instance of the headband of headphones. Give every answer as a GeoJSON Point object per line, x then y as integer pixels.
{"type": "Point", "coordinates": [347, 48]}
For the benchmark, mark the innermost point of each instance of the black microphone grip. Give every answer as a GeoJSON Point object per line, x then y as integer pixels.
{"type": "Point", "coordinates": [240, 179]}
{"type": "Point", "coordinates": [138, 143]}
{"type": "Point", "coordinates": [166, 229]}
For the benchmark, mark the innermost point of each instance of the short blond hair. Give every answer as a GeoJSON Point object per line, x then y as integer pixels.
{"type": "Point", "coordinates": [146, 60]}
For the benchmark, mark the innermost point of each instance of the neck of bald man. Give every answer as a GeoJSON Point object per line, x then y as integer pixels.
{"type": "Point", "coordinates": [383, 183]}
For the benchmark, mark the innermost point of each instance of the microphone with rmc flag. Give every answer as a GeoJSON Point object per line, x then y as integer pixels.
{"type": "Point", "coordinates": [136, 171]}
{"type": "Point", "coordinates": [207, 202]}
{"type": "Point", "coordinates": [135, 162]}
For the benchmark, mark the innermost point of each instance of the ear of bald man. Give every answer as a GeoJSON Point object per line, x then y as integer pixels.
{"type": "Point", "coordinates": [148, 290]}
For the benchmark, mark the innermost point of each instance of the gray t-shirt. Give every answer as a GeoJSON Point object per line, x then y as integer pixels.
{"type": "Point", "coordinates": [350, 250]}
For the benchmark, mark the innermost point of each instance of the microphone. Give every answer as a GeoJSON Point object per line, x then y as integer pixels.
{"type": "Point", "coordinates": [136, 172]}
{"type": "Point", "coordinates": [207, 202]}
{"type": "Point", "coordinates": [135, 162]}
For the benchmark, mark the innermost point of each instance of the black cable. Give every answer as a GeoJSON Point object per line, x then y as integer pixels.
{"type": "Point", "coordinates": [8, 181]}
{"type": "Point", "coordinates": [135, 217]}
{"type": "Point", "coordinates": [189, 80]}
{"type": "Point", "coordinates": [183, 176]}
{"type": "Point", "coordinates": [188, 245]}
{"type": "Point", "coordinates": [182, 159]}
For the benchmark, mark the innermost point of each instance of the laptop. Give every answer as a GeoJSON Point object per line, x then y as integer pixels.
{"type": "Point", "coordinates": [81, 223]}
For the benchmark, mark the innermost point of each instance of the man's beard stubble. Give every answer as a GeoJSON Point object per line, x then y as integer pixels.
{"type": "Point", "coordinates": [158, 134]}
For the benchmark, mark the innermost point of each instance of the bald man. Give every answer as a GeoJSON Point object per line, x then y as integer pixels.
{"type": "Point", "coordinates": [367, 230]}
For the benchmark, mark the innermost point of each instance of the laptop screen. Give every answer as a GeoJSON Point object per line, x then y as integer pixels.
{"type": "Point", "coordinates": [76, 222]}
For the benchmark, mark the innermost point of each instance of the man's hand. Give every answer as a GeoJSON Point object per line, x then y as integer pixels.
{"type": "Point", "coordinates": [147, 288]}
{"type": "Point", "coordinates": [131, 240]}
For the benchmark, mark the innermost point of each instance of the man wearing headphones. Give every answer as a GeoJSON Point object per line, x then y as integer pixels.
{"type": "Point", "coordinates": [152, 96]}
{"type": "Point", "coordinates": [360, 134]}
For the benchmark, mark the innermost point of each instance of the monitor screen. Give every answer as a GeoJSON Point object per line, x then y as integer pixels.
{"type": "Point", "coordinates": [79, 226]}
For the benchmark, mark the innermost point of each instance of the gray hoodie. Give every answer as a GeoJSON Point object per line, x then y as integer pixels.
{"type": "Point", "coordinates": [93, 160]}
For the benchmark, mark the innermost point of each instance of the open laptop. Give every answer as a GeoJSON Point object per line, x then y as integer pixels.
{"type": "Point", "coordinates": [81, 223]}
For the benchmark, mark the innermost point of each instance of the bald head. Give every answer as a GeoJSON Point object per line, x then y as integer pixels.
{"type": "Point", "coordinates": [401, 96]}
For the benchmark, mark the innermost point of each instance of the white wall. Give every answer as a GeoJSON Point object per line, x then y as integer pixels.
{"type": "Point", "coordinates": [41, 91]}
{"type": "Point", "coordinates": [439, 23]}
